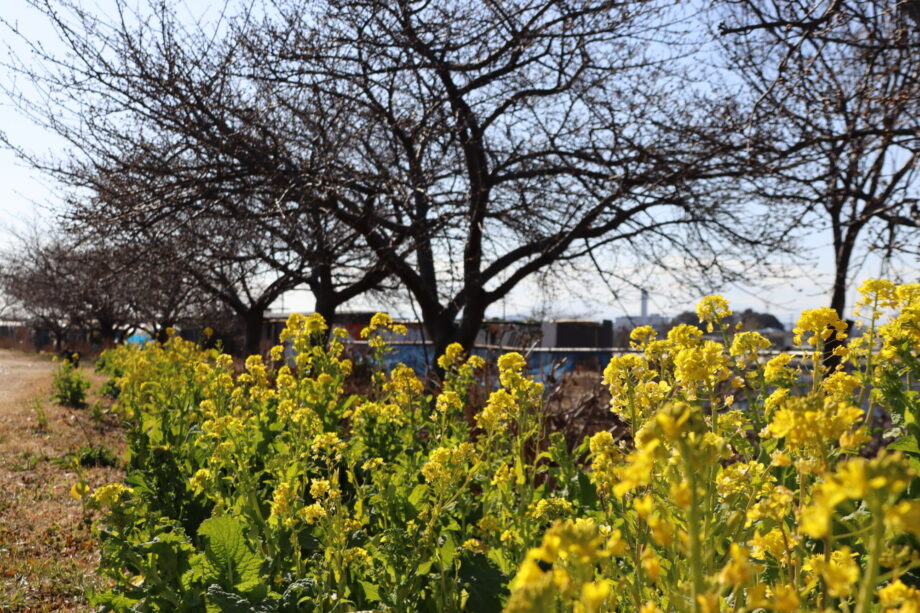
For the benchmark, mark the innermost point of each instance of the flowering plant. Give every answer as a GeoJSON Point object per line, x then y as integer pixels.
{"type": "Point", "coordinates": [745, 484]}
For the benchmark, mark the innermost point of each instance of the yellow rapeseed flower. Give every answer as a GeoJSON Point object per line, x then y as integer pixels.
{"type": "Point", "coordinates": [641, 336]}
{"type": "Point", "coordinates": [593, 595]}
{"type": "Point", "coordinates": [819, 325]}
{"type": "Point", "coordinates": [738, 570]}
{"type": "Point", "coordinates": [840, 573]}
{"type": "Point", "coordinates": [746, 346]}
{"type": "Point", "coordinates": [877, 294]}
{"type": "Point", "coordinates": [452, 356]}
{"type": "Point", "coordinates": [778, 372]}
{"type": "Point", "coordinates": [312, 513]}
{"type": "Point", "coordinates": [109, 495]}
{"type": "Point", "coordinates": [712, 309]}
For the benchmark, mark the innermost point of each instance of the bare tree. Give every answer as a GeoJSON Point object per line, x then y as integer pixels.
{"type": "Point", "coordinates": [837, 84]}
{"type": "Point", "coordinates": [27, 281]}
{"type": "Point", "coordinates": [172, 147]}
{"type": "Point", "coordinates": [169, 296]}
{"type": "Point", "coordinates": [63, 285]}
{"type": "Point", "coordinates": [489, 141]}
{"type": "Point", "coordinates": [459, 147]}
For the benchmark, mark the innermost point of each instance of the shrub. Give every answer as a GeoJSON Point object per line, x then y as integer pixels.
{"type": "Point", "coordinates": [741, 487]}
{"type": "Point", "coordinates": [70, 385]}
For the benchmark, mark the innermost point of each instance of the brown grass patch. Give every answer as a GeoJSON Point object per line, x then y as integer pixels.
{"type": "Point", "coordinates": [48, 555]}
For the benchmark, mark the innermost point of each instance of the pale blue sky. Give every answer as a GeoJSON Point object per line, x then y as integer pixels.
{"type": "Point", "coordinates": [27, 198]}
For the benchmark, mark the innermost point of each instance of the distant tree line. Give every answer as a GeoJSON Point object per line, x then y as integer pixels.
{"type": "Point", "coordinates": [61, 287]}
{"type": "Point", "coordinates": [454, 150]}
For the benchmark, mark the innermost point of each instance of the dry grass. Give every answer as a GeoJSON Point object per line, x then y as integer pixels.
{"type": "Point", "coordinates": [47, 552]}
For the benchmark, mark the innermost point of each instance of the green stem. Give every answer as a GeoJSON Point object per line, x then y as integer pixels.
{"type": "Point", "coordinates": [693, 530]}
{"type": "Point", "coordinates": [870, 576]}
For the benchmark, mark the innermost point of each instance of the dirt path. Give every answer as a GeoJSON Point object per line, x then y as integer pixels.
{"type": "Point", "coordinates": [47, 553]}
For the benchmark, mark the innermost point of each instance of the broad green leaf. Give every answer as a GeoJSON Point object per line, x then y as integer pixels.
{"type": "Point", "coordinates": [371, 592]}
{"type": "Point", "coordinates": [483, 581]}
{"type": "Point", "coordinates": [418, 494]}
{"type": "Point", "coordinates": [222, 601]}
{"type": "Point", "coordinates": [907, 444]}
{"type": "Point", "coordinates": [227, 560]}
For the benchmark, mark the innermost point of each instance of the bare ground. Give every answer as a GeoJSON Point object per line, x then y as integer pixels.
{"type": "Point", "coordinates": [48, 555]}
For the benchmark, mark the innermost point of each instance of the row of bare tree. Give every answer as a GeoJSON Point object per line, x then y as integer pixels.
{"type": "Point", "coordinates": [456, 149]}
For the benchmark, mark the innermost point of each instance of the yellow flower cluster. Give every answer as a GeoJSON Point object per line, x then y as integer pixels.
{"type": "Point", "coordinates": [312, 513]}
{"type": "Point", "coordinates": [818, 325]}
{"type": "Point", "coordinates": [517, 391]}
{"type": "Point", "coordinates": [404, 385]}
{"type": "Point", "coordinates": [548, 509]}
{"type": "Point", "coordinates": [878, 481]}
{"type": "Point", "coordinates": [383, 322]}
{"type": "Point", "coordinates": [901, 335]}
{"type": "Point", "coordinates": [625, 376]}
{"type": "Point", "coordinates": [200, 480]}
{"type": "Point", "coordinates": [444, 465]}
{"type": "Point", "coordinates": [747, 346]}
{"type": "Point", "coordinates": [896, 597]}
{"type": "Point", "coordinates": [303, 332]}
{"type": "Point", "coordinates": [605, 458]}
{"type": "Point", "coordinates": [641, 337]}
{"type": "Point", "coordinates": [704, 364]}
{"type": "Point", "coordinates": [284, 503]}
{"type": "Point", "coordinates": [110, 495]}
{"type": "Point", "coordinates": [448, 401]}
{"type": "Point", "coordinates": [712, 310]}
{"type": "Point", "coordinates": [372, 413]}
{"type": "Point", "coordinates": [839, 571]}
{"type": "Point", "coordinates": [737, 484]}
{"type": "Point", "coordinates": [452, 357]}
{"type": "Point", "coordinates": [810, 423]}
{"type": "Point", "coordinates": [499, 411]}
{"type": "Point", "coordinates": [877, 294]}
{"type": "Point", "coordinates": [571, 549]}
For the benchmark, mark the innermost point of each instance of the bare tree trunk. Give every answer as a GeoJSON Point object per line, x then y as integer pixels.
{"type": "Point", "coordinates": [253, 321]}
{"type": "Point", "coordinates": [442, 332]}
{"type": "Point", "coordinates": [842, 264]}
{"type": "Point", "coordinates": [326, 308]}
{"type": "Point", "coordinates": [843, 253]}
{"type": "Point", "coordinates": [107, 333]}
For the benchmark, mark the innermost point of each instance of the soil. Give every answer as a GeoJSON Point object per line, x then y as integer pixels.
{"type": "Point", "coordinates": [48, 555]}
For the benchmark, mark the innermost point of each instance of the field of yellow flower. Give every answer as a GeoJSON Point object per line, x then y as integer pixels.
{"type": "Point", "coordinates": [745, 484]}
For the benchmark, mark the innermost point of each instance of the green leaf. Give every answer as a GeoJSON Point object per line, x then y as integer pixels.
{"type": "Point", "coordinates": [227, 560]}
{"type": "Point", "coordinates": [110, 600]}
{"type": "Point", "coordinates": [422, 569]}
{"type": "Point", "coordinates": [906, 444]}
{"type": "Point", "coordinates": [418, 494]}
{"type": "Point", "coordinates": [914, 463]}
{"type": "Point", "coordinates": [228, 602]}
{"type": "Point", "coordinates": [371, 592]}
{"type": "Point", "coordinates": [587, 493]}
{"type": "Point", "coordinates": [519, 472]}
{"type": "Point", "coordinates": [447, 552]}
{"type": "Point", "coordinates": [299, 596]}
{"type": "Point", "coordinates": [483, 581]}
